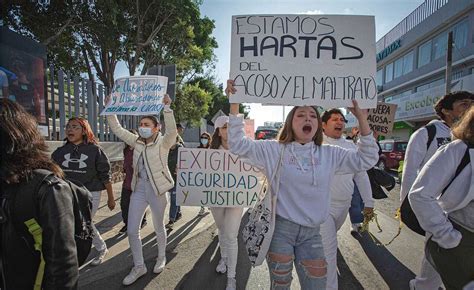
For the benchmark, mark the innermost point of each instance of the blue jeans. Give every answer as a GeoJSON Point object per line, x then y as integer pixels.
{"type": "Point", "coordinates": [296, 244]}
{"type": "Point", "coordinates": [357, 205]}
{"type": "Point", "coordinates": [174, 209]}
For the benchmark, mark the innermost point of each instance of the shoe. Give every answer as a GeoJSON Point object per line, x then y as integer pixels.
{"type": "Point", "coordinates": [123, 230]}
{"type": "Point", "coordinates": [100, 257]}
{"type": "Point", "coordinates": [202, 211]}
{"type": "Point", "coordinates": [136, 273]}
{"type": "Point", "coordinates": [160, 265]}
{"type": "Point", "coordinates": [221, 266]}
{"type": "Point", "coordinates": [231, 284]}
{"type": "Point", "coordinates": [169, 225]}
{"type": "Point", "coordinates": [144, 223]}
{"type": "Point", "coordinates": [178, 216]}
{"type": "Point", "coordinates": [412, 284]}
{"type": "Point", "coordinates": [356, 228]}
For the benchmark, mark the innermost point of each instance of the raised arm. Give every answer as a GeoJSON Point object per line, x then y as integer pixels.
{"type": "Point", "coordinates": [169, 139]}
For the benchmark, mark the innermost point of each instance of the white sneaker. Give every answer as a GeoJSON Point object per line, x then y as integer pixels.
{"type": "Point", "coordinates": [222, 267]}
{"type": "Point", "coordinates": [160, 265]}
{"type": "Point", "coordinates": [231, 284]}
{"type": "Point", "coordinates": [100, 257]}
{"type": "Point", "coordinates": [134, 274]}
{"type": "Point", "coordinates": [202, 211]}
{"type": "Point", "coordinates": [412, 284]}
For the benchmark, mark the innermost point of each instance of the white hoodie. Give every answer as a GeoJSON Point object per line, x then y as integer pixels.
{"type": "Point", "coordinates": [342, 186]}
{"type": "Point", "coordinates": [306, 172]}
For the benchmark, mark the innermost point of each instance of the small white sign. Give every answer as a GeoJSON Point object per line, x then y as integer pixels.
{"type": "Point", "coordinates": [325, 60]}
{"type": "Point", "coordinates": [140, 95]}
{"type": "Point", "coordinates": [216, 178]}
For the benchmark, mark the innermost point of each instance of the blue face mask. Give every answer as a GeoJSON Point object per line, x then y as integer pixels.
{"type": "Point", "coordinates": [145, 132]}
{"type": "Point", "coordinates": [204, 141]}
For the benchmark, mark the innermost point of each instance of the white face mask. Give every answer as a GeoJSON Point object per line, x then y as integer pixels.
{"type": "Point", "coordinates": [145, 132]}
{"type": "Point", "coordinates": [204, 141]}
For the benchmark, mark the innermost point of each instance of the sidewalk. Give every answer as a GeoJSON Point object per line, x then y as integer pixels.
{"type": "Point", "coordinates": [118, 262]}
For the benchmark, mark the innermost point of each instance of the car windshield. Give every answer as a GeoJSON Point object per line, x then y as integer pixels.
{"type": "Point", "coordinates": [402, 146]}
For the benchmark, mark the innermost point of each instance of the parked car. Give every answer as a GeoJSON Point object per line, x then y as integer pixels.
{"type": "Point", "coordinates": [265, 132]}
{"type": "Point", "coordinates": [393, 151]}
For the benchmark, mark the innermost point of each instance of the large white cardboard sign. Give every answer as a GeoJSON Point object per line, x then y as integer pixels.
{"type": "Point", "coordinates": [325, 60]}
{"type": "Point", "coordinates": [140, 95]}
{"type": "Point", "coordinates": [216, 178]}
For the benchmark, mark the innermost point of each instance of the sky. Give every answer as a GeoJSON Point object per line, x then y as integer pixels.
{"type": "Point", "coordinates": [388, 13]}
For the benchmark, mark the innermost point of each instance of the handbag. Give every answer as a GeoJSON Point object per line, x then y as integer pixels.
{"type": "Point", "coordinates": [258, 232]}
{"type": "Point", "coordinates": [381, 182]}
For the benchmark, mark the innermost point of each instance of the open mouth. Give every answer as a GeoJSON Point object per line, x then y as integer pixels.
{"type": "Point", "coordinates": [338, 128]}
{"type": "Point", "coordinates": [307, 129]}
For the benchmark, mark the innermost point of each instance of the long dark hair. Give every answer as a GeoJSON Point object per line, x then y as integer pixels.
{"type": "Point", "coordinates": [22, 148]}
{"type": "Point", "coordinates": [216, 140]}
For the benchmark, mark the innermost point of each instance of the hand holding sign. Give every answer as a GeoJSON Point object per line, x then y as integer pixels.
{"type": "Point", "coordinates": [229, 90]}
{"type": "Point", "coordinates": [167, 100]}
{"type": "Point", "coordinates": [361, 115]}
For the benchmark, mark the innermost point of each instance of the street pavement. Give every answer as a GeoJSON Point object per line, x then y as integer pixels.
{"type": "Point", "coordinates": [192, 253]}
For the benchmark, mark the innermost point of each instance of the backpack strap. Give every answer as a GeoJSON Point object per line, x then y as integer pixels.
{"type": "Point", "coordinates": [466, 159]}
{"type": "Point", "coordinates": [35, 230]}
{"type": "Point", "coordinates": [431, 128]}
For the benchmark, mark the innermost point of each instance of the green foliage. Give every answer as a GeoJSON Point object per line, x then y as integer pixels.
{"type": "Point", "coordinates": [191, 104]}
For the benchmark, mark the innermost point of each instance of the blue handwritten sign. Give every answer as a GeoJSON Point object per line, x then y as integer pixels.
{"type": "Point", "coordinates": [216, 178]}
{"type": "Point", "coordinates": [141, 95]}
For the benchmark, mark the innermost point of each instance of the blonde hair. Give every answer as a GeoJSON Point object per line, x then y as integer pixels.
{"type": "Point", "coordinates": [464, 129]}
{"type": "Point", "coordinates": [287, 135]}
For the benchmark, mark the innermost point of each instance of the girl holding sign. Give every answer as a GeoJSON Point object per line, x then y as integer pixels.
{"type": "Point", "coordinates": [150, 183]}
{"type": "Point", "coordinates": [227, 218]}
{"type": "Point", "coordinates": [302, 205]}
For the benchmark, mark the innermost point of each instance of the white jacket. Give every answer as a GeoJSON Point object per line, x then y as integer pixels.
{"type": "Point", "coordinates": [155, 154]}
{"type": "Point", "coordinates": [342, 186]}
{"type": "Point", "coordinates": [330, 159]}
{"type": "Point", "coordinates": [417, 154]}
{"type": "Point", "coordinates": [430, 208]}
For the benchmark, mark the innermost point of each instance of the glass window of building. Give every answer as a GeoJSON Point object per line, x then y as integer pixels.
{"type": "Point", "coordinates": [379, 77]}
{"type": "Point", "coordinates": [430, 85]}
{"type": "Point", "coordinates": [424, 54]}
{"type": "Point", "coordinates": [398, 68]}
{"type": "Point", "coordinates": [408, 62]}
{"type": "Point", "coordinates": [440, 43]}
{"type": "Point", "coordinates": [460, 33]}
{"type": "Point", "coordinates": [389, 73]}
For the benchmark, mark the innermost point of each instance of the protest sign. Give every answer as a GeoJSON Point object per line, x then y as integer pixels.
{"type": "Point", "coordinates": [216, 178]}
{"type": "Point", "coordinates": [325, 60]}
{"type": "Point", "coordinates": [382, 118]}
{"type": "Point", "coordinates": [141, 95]}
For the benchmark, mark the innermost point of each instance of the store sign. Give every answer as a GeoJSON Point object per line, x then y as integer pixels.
{"type": "Point", "coordinates": [421, 104]}
{"type": "Point", "coordinates": [388, 50]}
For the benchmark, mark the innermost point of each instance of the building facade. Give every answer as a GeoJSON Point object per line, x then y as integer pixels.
{"type": "Point", "coordinates": [411, 61]}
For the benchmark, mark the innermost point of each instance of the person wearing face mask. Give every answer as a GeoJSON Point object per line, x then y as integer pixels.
{"type": "Point", "coordinates": [227, 218]}
{"type": "Point", "coordinates": [342, 189]}
{"type": "Point", "coordinates": [151, 182]}
{"type": "Point", "coordinates": [301, 190]}
{"type": "Point", "coordinates": [204, 142]}
{"type": "Point", "coordinates": [421, 147]}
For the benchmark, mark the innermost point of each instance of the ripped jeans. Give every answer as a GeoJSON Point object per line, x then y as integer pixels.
{"type": "Point", "coordinates": [294, 243]}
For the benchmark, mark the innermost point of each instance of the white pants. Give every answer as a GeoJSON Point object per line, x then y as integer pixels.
{"type": "Point", "coordinates": [141, 198]}
{"type": "Point", "coordinates": [428, 278]}
{"type": "Point", "coordinates": [228, 223]}
{"type": "Point", "coordinates": [337, 216]}
{"type": "Point", "coordinates": [97, 241]}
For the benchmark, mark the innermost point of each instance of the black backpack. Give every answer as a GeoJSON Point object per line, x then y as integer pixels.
{"type": "Point", "coordinates": [82, 208]}
{"type": "Point", "coordinates": [407, 215]}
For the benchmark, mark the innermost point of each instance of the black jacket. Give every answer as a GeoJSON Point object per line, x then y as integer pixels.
{"type": "Point", "coordinates": [54, 214]}
{"type": "Point", "coordinates": [86, 163]}
{"type": "Point", "coordinates": [173, 159]}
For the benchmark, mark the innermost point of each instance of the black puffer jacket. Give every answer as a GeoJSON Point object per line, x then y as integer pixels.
{"type": "Point", "coordinates": [54, 213]}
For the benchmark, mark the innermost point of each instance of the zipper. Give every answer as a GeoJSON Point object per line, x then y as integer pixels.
{"type": "Point", "coordinates": [150, 176]}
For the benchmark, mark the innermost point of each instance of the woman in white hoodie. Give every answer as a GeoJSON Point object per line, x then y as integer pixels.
{"type": "Point", "coordinates": [151, 182]}
{"type": "Point", "coordinates": [442, 198]}
{"type": "Point", "coordinates": [306, 171]}
{"type": "Point", "coordinates": [227, 218]}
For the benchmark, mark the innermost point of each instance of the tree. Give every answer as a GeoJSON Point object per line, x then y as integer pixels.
{"type": "Point", "coordinates": [192, 102]}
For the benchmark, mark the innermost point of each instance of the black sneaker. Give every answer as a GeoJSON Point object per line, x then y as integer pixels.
{"type": "Point", "coordinates": [169, 225]}
{"type": "Point", "coordinates": [179, 216]}
{"type": "Point", "coordinates": [123, 230]}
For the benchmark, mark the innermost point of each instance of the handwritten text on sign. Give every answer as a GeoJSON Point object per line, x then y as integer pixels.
{"type": "Point", "coordinates": [141, 95]}
{"type": "Point", "coordinates": [381, 119]}
{"type": "Point", "coordinates": [325, 60]}
{"type": "Point", "coordinates": [216, 178]}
